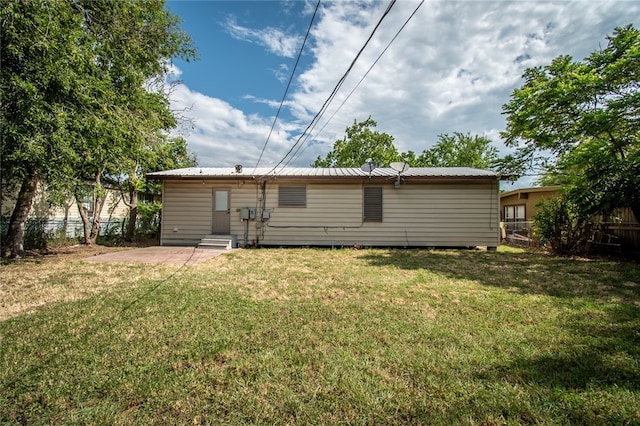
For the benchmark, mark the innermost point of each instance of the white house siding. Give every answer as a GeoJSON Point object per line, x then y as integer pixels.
{"type": "Point", "coordinates": [415, 214]}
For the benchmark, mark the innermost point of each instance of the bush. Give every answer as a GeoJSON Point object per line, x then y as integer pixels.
{"type": "Point", "coordinates": [563, 227]}
{"type": "Point", "coordinates": [148, 221]}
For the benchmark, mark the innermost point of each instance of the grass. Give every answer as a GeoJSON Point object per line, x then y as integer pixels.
{"type": "Point", "coordinates": [311, 336]}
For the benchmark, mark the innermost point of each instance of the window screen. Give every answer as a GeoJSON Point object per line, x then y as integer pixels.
{"type": "Point", "coordinates": [292, 196]}
{"type": "Point", "coordinates": [372, 210]}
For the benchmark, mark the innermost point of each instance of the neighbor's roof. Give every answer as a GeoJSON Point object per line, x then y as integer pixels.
{"type": "Point", "coordinates": [321, 172]}
{"type": "Point", "coordinates": [551, 188]}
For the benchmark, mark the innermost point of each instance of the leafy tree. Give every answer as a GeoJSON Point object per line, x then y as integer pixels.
{"type": "Point", "coordinates": [76, 83]}
{"type": "Point", "coordinates": [459, 150]}
{"type": "Point", "coordinates": [579, 123]}
{"type": "Point", "coordinates": [40, 86]}
{"type": "Point", "coordinates": [360, 144]}
{"type": "Point", "coordinates": [169, 154]}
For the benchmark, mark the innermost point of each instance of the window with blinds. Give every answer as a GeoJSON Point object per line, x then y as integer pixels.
{"type": "Point", "coordinates": [292, 196]}
{"type": "Point", "coordinates": [372, 206]}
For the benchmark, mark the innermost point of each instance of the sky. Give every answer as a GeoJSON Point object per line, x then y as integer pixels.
{"type": "Point", "coordinates": [449, 69]}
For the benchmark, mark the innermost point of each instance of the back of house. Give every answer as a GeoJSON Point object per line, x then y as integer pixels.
{"type": "Point", "coordinates": [338, 207]}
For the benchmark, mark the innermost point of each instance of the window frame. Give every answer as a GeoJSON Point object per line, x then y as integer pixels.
{"type": "Point", "coordinates": [514, 209]}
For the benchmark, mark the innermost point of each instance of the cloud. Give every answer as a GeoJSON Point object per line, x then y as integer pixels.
{"type": "Point", "coordinates": [451, 69]}
{"type": "Point", "coordinates": [282, 73]}
{"type": "Point", "coordinates": [274, 40]}
{"type": "Point", "coordinates": [221, 134]}
{"type": "Point", "coordinates": [453, 66]}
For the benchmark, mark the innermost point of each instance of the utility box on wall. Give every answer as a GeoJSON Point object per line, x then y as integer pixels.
{"type": "Point", "coordinates": [247, 213]}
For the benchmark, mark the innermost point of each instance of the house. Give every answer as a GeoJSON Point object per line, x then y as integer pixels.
{"type": "Point", "coordinates": [419, 207]}
{"type": "Point", "coordinates": [65, 218]}
{"type": "Point", "coordinates": [518, 207]}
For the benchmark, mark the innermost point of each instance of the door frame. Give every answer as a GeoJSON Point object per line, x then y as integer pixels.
{"type": "Point", "coordinates": [215, 213]}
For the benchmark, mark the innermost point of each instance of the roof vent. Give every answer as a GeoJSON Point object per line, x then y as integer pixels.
{"type": "Point", "coordinates": [238, 168]}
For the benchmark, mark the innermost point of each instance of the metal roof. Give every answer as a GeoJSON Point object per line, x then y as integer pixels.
{"type": "Point", "coordinates": [321, 172]}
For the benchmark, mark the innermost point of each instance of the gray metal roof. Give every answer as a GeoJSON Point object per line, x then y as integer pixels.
{"type": "Point", "coordinates": [322, 172]}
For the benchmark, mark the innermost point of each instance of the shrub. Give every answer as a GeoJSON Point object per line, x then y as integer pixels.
{"type": "Point", "coordinates": [563, 227]}
{"type": "Point", "coordinates": [148, 221]}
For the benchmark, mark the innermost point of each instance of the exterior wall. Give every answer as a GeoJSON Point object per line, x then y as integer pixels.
{"type": "Point", "coordinates": [113, 208]}
{"type": "Point", "coordinates": [527, 198]}
{"type": "Point", "coordinates": [67, 218]}
{"type": "Point", "coordinates": [426, 214]}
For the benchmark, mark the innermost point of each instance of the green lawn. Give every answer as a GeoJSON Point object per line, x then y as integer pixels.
{"type": "Point", "coordinates": [311, 336]}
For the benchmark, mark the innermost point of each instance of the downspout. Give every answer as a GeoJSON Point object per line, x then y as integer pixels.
{"type": "Point", "coordinates": [162, 227]}
{"type": "Point", "coordinates": [262, 207]}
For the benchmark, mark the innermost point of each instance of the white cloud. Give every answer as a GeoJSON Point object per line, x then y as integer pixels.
{"type": "Point", "coordinates": [451, 69]}
{"type": "Point", "coordinates": [224, 135]}
{"type": "Point", "coordinates": [275, 40]}
{"type": "Point", "coordinates": [282, 73]}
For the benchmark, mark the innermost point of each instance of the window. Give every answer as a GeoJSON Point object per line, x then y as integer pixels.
{"type": "Point", "coordinates": [372, 205]}
{"type": "Point", "coordinates": [292, 196]}
{"type": "Point", "coordinates": [514, 213]}
{"type": "Point", "coordinates": [87, 204]}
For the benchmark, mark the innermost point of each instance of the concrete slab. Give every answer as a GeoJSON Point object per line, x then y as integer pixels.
{"type": "Point", "coordinates": [157, 254]}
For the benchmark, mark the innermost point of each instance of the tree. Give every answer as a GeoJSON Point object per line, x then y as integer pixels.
{"type": "Point", "coordinates": [169, 154]}
{"type": "Point", "coordinates": [75, 92]}
{"type": "Point", "coordinates": [360, 144]}
{"type": "Point", "coordinates": [459, 150]}
{"type": "Point", "coordinates": [579, 122]}
{"type": "Point", "coordinates": [40, 85]}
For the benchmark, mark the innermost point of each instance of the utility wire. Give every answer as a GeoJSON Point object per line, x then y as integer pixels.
{"type": "Point", "coordinates": [304, 145]}
{"type": "Point", "coordinates": [288, 85]}
{"type": "Point", "coordinates": [335, 89]}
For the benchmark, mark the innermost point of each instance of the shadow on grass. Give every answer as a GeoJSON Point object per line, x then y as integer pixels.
{"type": "Point", "coordinates": [601, 357]}
{"type": "Point", "coordinates": [526, 272]}
{"type": "Point", "coordinates": [604, 319]}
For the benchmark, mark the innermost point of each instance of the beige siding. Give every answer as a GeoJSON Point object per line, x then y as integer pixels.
{"type": "Point", "coordinates": [186, 212]}
{"type": "Point", "coordinates": [114, 207]}
{"type": "Point", "coordinates": [438, 214]}
{"type": "Point", "coordinates": [413, 215]}
{"type": "Point", "coordinates": [528, 199]}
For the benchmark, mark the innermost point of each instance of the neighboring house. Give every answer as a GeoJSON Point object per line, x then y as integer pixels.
{"type": "Point", "coordinates": [66, 218]}
{"type": "Point", "coordinates": [518, 207]}
{"type": "Point", "coordinates": [620, 231]}
{"type": "Point", "coordinates": [420, 207]}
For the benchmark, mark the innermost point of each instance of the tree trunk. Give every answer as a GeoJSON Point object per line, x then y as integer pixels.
{"type": "Point", "coordinates": [14, 246]}
{"type": "Point", "coordinates": [133, 214]}
{"type": "Point", "coordinates": [99, 200]}
{"type": "Point", "coordinates": [85, 221]}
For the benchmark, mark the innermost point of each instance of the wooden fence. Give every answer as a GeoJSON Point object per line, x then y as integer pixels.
{"type": "Point", "coordinates": [619, 234]}
{"type": "Point", "coordinates": [623, 230]}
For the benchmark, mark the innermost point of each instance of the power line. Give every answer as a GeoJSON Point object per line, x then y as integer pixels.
{"type": "Point", "coordinates": [304, 145]}
{"type": "Point", "coordinates": [288, 85]}
{"type": "Point", "coordinates": [336, 88]}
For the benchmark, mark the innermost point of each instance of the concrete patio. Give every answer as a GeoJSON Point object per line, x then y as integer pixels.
{"type": "Point", "coordinates": [160, 254]}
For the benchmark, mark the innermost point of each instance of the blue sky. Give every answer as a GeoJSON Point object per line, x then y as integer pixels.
{"type": "Point", "coordinates": [451, 69]}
